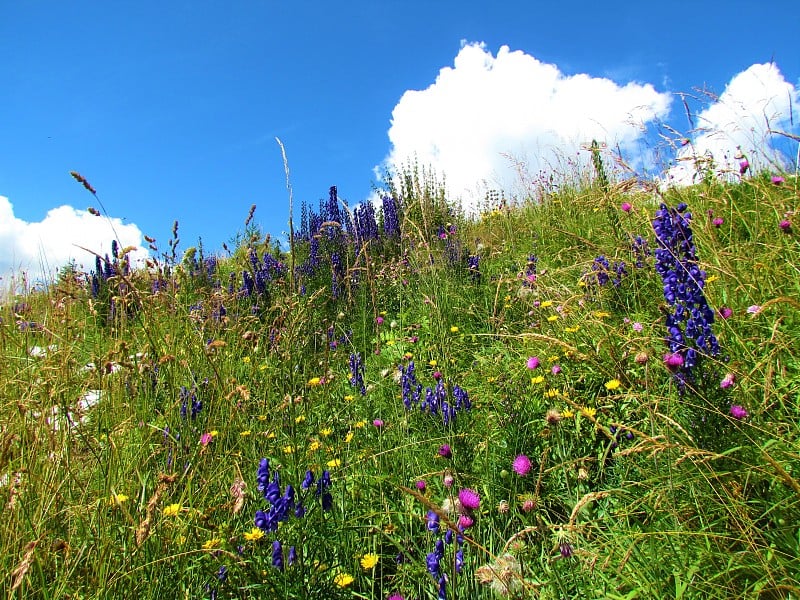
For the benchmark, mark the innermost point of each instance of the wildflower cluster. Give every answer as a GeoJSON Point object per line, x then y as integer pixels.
{"type": "Point", "coordinates": [603, 271]}
{"type": "Point", "coordinates": [256, 280]}
{"type": "Point", "coordinates": [689, 322]}
{"type": "Point", "coordinates": [435, 400]}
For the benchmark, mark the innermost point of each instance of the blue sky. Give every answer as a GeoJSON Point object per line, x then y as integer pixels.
{"type": "Point", "coordinates": [170, 109]}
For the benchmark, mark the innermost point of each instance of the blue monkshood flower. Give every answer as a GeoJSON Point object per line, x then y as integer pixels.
{"type": "Point", "coordinates": [432, 563]}
{"type": "Point", "coordinates": [277, 555]}
{"type": "Point", "coordinates": [474, 268]}
{"type": "Point", "coordinates": [292, 555]}
{"type": "Point", "coordinates": [391, 219]}
{"type": "Point", "coordinates": [459, 560]}
{"type": "Point", "coordinates": [432, 520]}
{"type": "Point", "coordinates": [442, 593]}
{"type": "Point", "coordinates": [357, 370]}
{"type": "Point", "coordinates": [263, 475]}
{"type": "Point", "coordinates": [308, 480]}
{"type": "Point", "coordinates": [222, 573]}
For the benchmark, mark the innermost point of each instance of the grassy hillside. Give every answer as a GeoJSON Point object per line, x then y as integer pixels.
{"type": "Point", "coordinates": [590, 394]}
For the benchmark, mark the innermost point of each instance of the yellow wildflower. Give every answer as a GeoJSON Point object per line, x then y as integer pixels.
{"type": "Point", "coordinates": [212, 543]}
{"type": "Point", "coordinates": [552, 318]}
{"type": "Point", "coordinates": [601, 314]}
{"type": "Point", "coordinates": [567, 414]}
{"type": "Point", "coordinates": [368, 561]}
{"type": "Point", "coordinates": [349, 397]}
{"type": "Point", "coordinates": [253, 535]}
{"type": "Point", "coordinates": [546, 304]}
{"type": "Point", "coordinates": [314, 446]}
{"type": "Point", "coordinates": [538, 379]}
{"type": "Point", "coordinates": [245, 433]}
{"type": "Point", "coordinates": [117, 499]}
{"type": "Point", "coordinates": [551, 393]}
{"type": "Point", "coordinates": [432, 362]}
{"type": "Point", "coordinates": [334, 463]}
{"type": "Point", "coordinates": [288, 449]}
{"type": "Point", "coordinates": [349, 437]}
{"type": "Point", "coordinates": [613, 384]}
{"type": "Point", "coordinates": [325, 432]}
{"type": "Point", "coordinates": [453, 329]}
{"type": "Point", "coordinates": [299, 418]}
{"type": "Point", "coordinates": [572, 329]}
{"type": "Point", "coordinates": [360, 424]}
{"type": "Point", "coordinates": [246, 360]}
{"type": "Point", "coordinates": [314, 381]}
{"type": "Point", "coordinates": [343, 580]}
{"type": "Point", "coordinates": [262, 417]}
{"type": "Point", "coordinates": [171, 510]}
{"type": "Point", "coordinates": [588, 412]}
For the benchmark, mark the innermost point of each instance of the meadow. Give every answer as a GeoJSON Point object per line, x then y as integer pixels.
{"type": "Point", "coordinates": [591, 392]}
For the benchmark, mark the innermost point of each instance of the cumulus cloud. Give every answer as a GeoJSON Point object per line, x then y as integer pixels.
{"type": "Point", "coordinates": [487, 115]}
{"type": "Point", "coordinates": [739, 123]}
{"type": "Point", "coordinates": [39, 249]}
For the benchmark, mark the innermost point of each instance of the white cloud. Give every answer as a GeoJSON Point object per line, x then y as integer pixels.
{"type": "Point", "coordinates": [486, 108]}
{"type": "Point", "coordinates": [39, 249]}
{"type": "Point", "coordinates": [754, 101]}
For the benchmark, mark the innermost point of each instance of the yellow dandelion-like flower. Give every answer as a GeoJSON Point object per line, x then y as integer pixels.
{"type": "Point", "coordinates": [360, 424]}
{"type": "Point", "coordinates": [537, 380]}
{"type": "Point", "coordinates": [546, 304]}
{"type": "Point", "coordinates": [314, 381]}
{"type": "Point", "coordinates": [601, 314]}
{"type": "Point", "coordinates": [588, 412]}
{"type": "Point", "coordinates": [262, 417]}
{"type": "Point", "coordinates": [432, 363]}
{"type": "Point", "coordinates": [552, 318]}
{"type": "Point", "coordinates": [408, 356]}
{"type": "Point", "coordinates": [390, 342]}
{"type": "Point", "coordinates": [507, 299]}
{"type": "Point", "coordinates": [572, 329]}
{"type": "Point", "coordinates": [246, 360]}
{"type": "Point", "coordinates": [245, 433]}
{"type": "Point", "coordinates": [613, 385]}
{"type": "Point", "coordinates": [349, 397]}
{"type": "Point", "coordinates": [453, 329]}
{"type": "Point", "coordinates": [171, 510]}
{"type": "Point", "coordinates": [368, 561]}
{"type": "Point", "coordinates": [314, 446]}
{"type": "Point", "coordinates": [343, 580]}
{"type": "Point", "coordinates": [325, 431]}
{"type": "Point", "coordinates": [567, 414]}
{"type": "Point", "coordinates": [288, 449]}
{"type": "Point", "coordinates": [712, 278]}
{"type": "Point", "coordinates": [299, 418]}
{"type": "Point", "coordinates": [491, 379]}
{"type": "Point", "coordinates": [116, 499]}
{"type": "Point", "coordinates": [581, 283]}
{"type": "Point", "coordinates": [253, 535]}
{"type": "Point", "coordinates": [212, 543]}
{"type": "Point", "coordinates": [271, 435]}
{"type": "Point", "coordinates": [334, 463]}
{"type": "Point", "coordinates": [213, 433]}
{"type": "Point", "coordinates": [349, 437]}
{"type": "Point", "coordinates": [262, 367]}
{"type": "Point", "coordinates": [551, 393]}
{"type": "Point", "coordinates": [553, 358]}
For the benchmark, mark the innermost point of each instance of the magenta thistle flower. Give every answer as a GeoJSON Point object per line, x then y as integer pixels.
{"type": "Point", "coordinates": [421, 485]}
{"type": "Point", "coordinates": [395, 597]}
{"type": "Point", "coordinates": [521, 465]}
{"type": "Point", "coordinates": [718, 222]}
{"type": "Point", "coordinates": [379, 320]}
{"type": "Point", "coordinates": [753, 309]}
{"type": "Point", "coordinates": [448, 480]}
{"type": "Point", "coordinates": [445, 451]}
{"type": "Point", "coordinates": [555, 369]}
{"type": "Point", "coordinates": [637, 326]}
{"type": "Point", "coordinates": [744, 164]}
{"type": "Point", "coordinates": [469, 499]}
{"type": "Point", "coordinates": [738, 412]}
{"type": "Point", "coordinates": [725, 312]}
{"type": "Point", "coordinates": [785, 225]}
{"type": "Point", "coordinates": [673, 361]}
{"type": "Point", "coordinates": [777, 179]}
{"type": "Point", "coordinates": [533, 362]}
{"type": "Point", "coordinates": [378, 423]}
{"type": "Point", "coordinates": [205, 439]}
{"type": "Point", "coordinates": [626, 207]}
{"type": "Point", "coordinates": [465, 522]}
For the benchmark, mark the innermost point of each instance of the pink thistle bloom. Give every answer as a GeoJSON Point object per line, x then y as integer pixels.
{"type": "Point", "coordinates": [465, 521]}
{"type": "Point", "coordinates": [673, 361]}
{"type": "Point", "coordinates": [205, 439]}
{"type": "Point", "coordinates": [718, 222]}
{"type": "Point", "coordinates": [727, 381]}
{"type": "Point", "coordinates": [421, 485]}
{"type": "Point", "coordinates": [395, 597]}
{"type": "Point", "coordinates": [379, 320]}
{"type": "Point", "coordinates": [754, 309]}
{"type": "Point", "coordinates": [637, 326]}
{"type": "Point", "coordinates": [448, 480]}
{"type": "Point", "coordinates": [521, 465]}
{"type": "Point", "coordinates": [533, 362]}
{"type": "Point", "coordinates": [738, 412]}
{"type": "Point", "coordinates": [469, 499]}
{"type": "Point", "coordinates": [725, 312]}
{"type": "Point", "coordinates": [555, 369]}
{"type": "Point", "coordinates": [785, 225]}
{"type": "Point", "coordinates": [777, 179]}
{"type": "Point", "coordinates": [437, 375]}
{"type": "Point", "coordinates": [744, 164]}
{"type": "Point", "coordinates": [445, 451]}
{"type": "Point", "coordinates": [378, 423]}
{"type": "Point", "coordinates": [626, 207]}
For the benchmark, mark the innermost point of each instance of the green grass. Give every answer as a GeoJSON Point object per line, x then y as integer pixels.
{"type": "Point", "coordinates": [638, 488]}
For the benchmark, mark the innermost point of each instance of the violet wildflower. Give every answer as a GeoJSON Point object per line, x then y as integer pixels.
{"type": "Point", "coordinates": [566, 550]}
{"type": "Point", "coordinates": [744, 164]}
{"type": "Point", "coordinates": [432, 521]}
{"type": "Point", "coordinates": [725, 312]}
{"type": "Point", "coordinates": [727, 381]}
{"type": "Point", "coordinates": [421, 485]}
{"type": "Point", "coordinates": [785, 225]}
{"type": "Point", "coordinates": [378, 423]}
{"type": "Point", "coordinates": [445, 451]}
{"type": "Point", "coordinates": [521, 465]}
{"type": "Point", "coordinates": [718, 222]}
{"type": "Point", "coordinates": [277, 555]}
{"type": "Point", "coordinates": [626, 207]}
{"type": "Point", "coordinates": [738, 412]}
{"type": "Point", "coordinates": [754, 309]}
{"type": "Point", "coordinates": [357, 370]}
{"type": "Point", "coordinates": [533, 362]}
{"type": "Point", "coordinates": [777, 180]}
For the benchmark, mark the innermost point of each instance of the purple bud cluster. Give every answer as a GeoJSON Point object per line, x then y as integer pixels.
{"type": "Point", "coordinates": [640, 250]}
{"type": "Point", "coordinates": [435, 400]}
{"type": "Point", "coordinates": [604, 272]}
{"type": "Point", "coordinates": [433, 560]}
{"type": "Point", "coordinates": [473, 266]}
{"type": "Point", "coordinates": [391, 218]}
{"type": "Point", "coordinates": [255, 282]}
{"type": "Point", "coordinates": [366, 227]}
{"type": "Point", "coordinates": [689, 323]}
{"type": "Point", "coordinates": [189, 397]}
